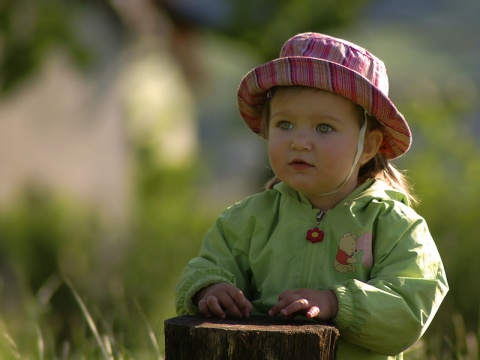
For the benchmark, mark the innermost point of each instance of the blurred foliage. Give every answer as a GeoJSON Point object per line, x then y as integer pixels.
{"type": "Point", "coordinates": [45, 240]}
{"type": "Point", "coordinates": [41, 238]}
{"type": "Point", "coordinates": [444, 166]}
{"type": "Point", "coordinates": [168, 224]}
{"type": "Point", "coordinates": [29, 31]}
{"type": "Point", "coordinates": [263, 25]}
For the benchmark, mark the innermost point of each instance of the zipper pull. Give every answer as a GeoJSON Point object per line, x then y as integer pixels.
{"type": "Point", "coordinates": [320, 216]}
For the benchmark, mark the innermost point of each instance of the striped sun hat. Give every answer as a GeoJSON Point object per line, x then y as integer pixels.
{"type": "Point", "coordinates": [325, 62]}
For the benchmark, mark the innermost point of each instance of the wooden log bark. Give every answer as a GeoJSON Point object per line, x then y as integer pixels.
{"type": "Point", "coordinates": [256, 338]}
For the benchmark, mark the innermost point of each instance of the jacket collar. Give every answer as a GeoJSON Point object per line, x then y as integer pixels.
{"type": "Point", "coordinates": [369, 190]}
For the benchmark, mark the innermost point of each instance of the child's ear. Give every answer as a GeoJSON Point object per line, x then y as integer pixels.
{"type": "Point", "coordinates": [373, 140]}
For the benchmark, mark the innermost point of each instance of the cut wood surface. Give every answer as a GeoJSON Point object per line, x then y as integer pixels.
{"type": "Point", "coordinates": [259, 337]}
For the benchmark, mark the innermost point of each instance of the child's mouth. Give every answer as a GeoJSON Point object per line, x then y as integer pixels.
{"type": "Point", "coordinates": [300, 164]}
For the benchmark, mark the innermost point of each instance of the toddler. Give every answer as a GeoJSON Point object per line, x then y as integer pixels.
{"type": "Point", "coordinates": [334, 237]}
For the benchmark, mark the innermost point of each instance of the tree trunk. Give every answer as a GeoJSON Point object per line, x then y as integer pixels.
{"type": "Point", "coordinates": [259, 337]}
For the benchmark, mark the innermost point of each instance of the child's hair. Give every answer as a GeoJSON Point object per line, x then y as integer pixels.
{"type": "Point", "coordinates": [380, 168]}
{"type": "Point", "coordinates": [376, 168]}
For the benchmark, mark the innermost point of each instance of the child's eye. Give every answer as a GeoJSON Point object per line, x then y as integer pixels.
{"type": "Point", "coordinates": [285, 125]}
{"type": "Point", "coordinates": [323, 128]}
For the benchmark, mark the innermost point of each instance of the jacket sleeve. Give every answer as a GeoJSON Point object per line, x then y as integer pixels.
{"type": "Point", "coordinates": [222, 258]}
{"type": "Point", "coordinates": [392, 310]}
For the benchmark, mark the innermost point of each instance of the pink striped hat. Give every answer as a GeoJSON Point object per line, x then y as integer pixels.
{"type": "Point", "coordinates": [332, 64]}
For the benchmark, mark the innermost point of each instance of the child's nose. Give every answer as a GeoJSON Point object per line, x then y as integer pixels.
{"type": "Point", "coordinates": [301, 140]}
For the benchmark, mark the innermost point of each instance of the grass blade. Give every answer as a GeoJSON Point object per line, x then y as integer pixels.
{"type": "Point", "coordinates": [89, 319]}
{"type": "Point", "coordinates": [151, 334]}
{"type": "Point", "coordinates": [40, 342]}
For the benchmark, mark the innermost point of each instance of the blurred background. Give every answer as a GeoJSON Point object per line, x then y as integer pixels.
{"type": "Point", "coordinates": [120, 142]}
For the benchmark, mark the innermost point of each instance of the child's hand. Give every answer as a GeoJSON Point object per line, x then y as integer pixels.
{"type": "Point", "coordinates": [218, 299]}
{"type": "Point", "coordinates": [314, 304]}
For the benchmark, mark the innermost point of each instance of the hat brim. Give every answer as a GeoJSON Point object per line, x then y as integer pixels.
{"type": "Point", "coordinates": [326, 75]}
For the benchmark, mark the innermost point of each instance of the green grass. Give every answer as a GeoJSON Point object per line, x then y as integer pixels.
{"type": "Point", "coordinates": [98, 340]}
{"type": "Point", "coordinates": [464, 345]}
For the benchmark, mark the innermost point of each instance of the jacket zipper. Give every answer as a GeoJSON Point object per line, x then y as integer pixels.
{"type": "Point", "coordinates": [320, 216]}
{"type": "Point", "coordinates": [311, 249]}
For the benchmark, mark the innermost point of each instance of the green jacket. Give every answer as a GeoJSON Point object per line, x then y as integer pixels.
{"type": "Point", "coordinates": [377, 254]}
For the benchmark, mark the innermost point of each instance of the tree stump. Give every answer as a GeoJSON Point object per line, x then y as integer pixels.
{"type": "Point", "coordinates": [256, 338]}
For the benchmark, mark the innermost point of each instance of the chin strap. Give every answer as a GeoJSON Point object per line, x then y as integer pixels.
{"type": "Point", "coordinates": [361, 139]}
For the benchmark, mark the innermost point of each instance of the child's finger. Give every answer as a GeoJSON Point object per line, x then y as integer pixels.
{"type": "Point", "coordinates": [214, 306]}
{"type": "Point", "coordinates": [289, 307]}
{"type": "Point", "coordinates": [277, 308]}
{"type": "Point", "coordinates": [284, 300]}
{"type": "Point", "coordinates": [313, 312]}
{"type": "Point", "coordinates": [299, 305]}
{"type": "Point", "coordinates": [242, 303]}
{"type": "Point", "coordinates": [203, 307]}
{"type": "Point", "coordinates": [231, 306]}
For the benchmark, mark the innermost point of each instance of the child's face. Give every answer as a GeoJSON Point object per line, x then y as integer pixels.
{"type": "Point", "coordinates": [312, 141]}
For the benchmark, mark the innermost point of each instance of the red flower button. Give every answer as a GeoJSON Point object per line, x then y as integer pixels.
{"type": "Point", "coordinates": [315, 235]}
